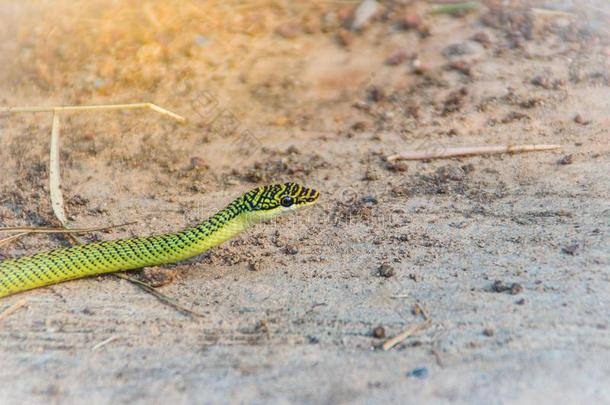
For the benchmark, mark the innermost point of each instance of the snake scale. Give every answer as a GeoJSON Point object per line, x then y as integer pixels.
{"type": "Point", "coordinates": [55, 266]}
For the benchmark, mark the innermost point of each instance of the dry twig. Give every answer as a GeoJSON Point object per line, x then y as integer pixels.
{"type": "Point", "coordinates": [104, 343]}
{"type": "Point", "coordinates": [390, 343]}
{"type": "Point", "coordinates": [34, 229]}
{"type": "Point", "coordinates": [12, 238]}
{"type": "Point", "coordinates": [7, 312]}
{"type": "Point", "coordinates": [160, 296]}
{"type": "Point", "coordinates": [57, 200]}
{"type": "Point", "coordinates": [29, 230]}
{"type": "Point", "coordinates": [437, 357]}
{"type": "Point", "coordinates": [444, 153]}
{"type": "Point", "coordinates": [102, 107]}
{"type": "Point", "coordinates": [422, 311]}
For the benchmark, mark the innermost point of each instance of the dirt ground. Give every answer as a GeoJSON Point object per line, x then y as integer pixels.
{"type": "Point", "coordinates": [507, 255]}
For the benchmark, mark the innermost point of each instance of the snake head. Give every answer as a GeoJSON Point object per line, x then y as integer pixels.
{"type": "Point", "coordinates": [273, 200]}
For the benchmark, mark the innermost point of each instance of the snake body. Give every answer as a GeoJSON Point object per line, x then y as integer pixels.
{"type": "Point", "coordinates": [55, 266]}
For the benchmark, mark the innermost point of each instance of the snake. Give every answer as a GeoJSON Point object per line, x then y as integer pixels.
{"type": "Point", "coordinates": [55, 266]}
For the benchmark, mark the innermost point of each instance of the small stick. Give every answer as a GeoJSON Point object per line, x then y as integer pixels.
{"type": "Point", "coordinates": [62, 230]}
{"type": "Point", "coordinates": [444, 153]}
{"type": "Point", "coordinates": [103, 107]}
{"type": "Point", "coordinates": [11, 238]}
{"type": "Point", "coordinates": [390, 343]}
{"type": "Point", "coordinates": [422, 311]}
{"type": "Point", "coordinates": [163, 111]}
{"type": "Point", "coordinates": [27, 230]}
{"type": "Point", "coordinates": [104, 343]}
{"type": "Point", "coordinates": [160, 296]}
{"type": "Point", "coordinates": [437, 356]}
{"type": "Point", "coordinates": [7, 312]}
{"type": "Point", "coordinates": [57, 200]}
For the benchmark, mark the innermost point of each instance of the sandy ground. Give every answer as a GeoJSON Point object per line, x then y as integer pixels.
{"type": "Point", "coordinates": [508, 256]}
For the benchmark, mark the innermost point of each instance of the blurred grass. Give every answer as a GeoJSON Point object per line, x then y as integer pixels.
{"type": "Point", "coordinates": [101, 46]}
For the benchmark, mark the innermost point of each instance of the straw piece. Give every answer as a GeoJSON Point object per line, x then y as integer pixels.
{"type": "Point", "coordinates": [103, 107]}
{"type": "Point", "coordinates": [444, 153]}
{"type": "Point", "coordinates": [57, 199]}
{"type": "Point", "coordinates": [10, 310]}
{"type": "Point", "coordinates": [390, 343]}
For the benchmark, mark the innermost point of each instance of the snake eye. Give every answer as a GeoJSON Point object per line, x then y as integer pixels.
{"type": "Point", "coordinates": [286, 201]}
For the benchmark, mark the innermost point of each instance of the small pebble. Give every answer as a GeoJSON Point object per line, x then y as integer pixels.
{"type": "Point", "coordinates": [520, 301]}
{"type": "Point", "coordinates": [313, 340]}
{"type": "Point", "coordinates": [292, 150]}
{"type": "Point", "coordinates": [459, 49]}
{"type": "Point", "coordinates": [540, 81]}
{"type": "Point", "coordinates": [469, 168]}
{"type": "Point", "coordinates": [404, 237]}
{"type": "Point", "coordinates": [565, 160]}
{"type": "Point", "coordinates": [516, 288]}
{"type": "Point", "coordinates": [291, 250]}
{"type": "Point", "coordinates": [580, 120]}
{"type": "Point", "coordinates": [489, 332]}
{"type": "Point", "coordinates": [419, 68]}
{"type": "Point", "coordinates": [460, 66]}
{"type": "Point", "coordinates": [376, 94]}
{"type": "Point", "coordinates": [369, 199]}
{"type": "Point", "coordinates": [483, 38]}
{"type": "Point", "coordinates": [360, 126]}
{"type": "Point", "coordinates": [288, 30]}
{"type": "Point", "coordinates": [385, 270]}
{"type": "Point", "coordinates": [570, 249]}
{"type": "Point", "coordinates": [379, 332]}
{"type": "Point", "coordinates": [198, 163]}
{"type": "Point", "coordinates": [398, 166]}
{"type": "Point", "coordinates": [345, 38]}
{"type": "Point", "coordinates": [411, 22]}
{"type": "Point", "coordinates": [419, 372]}
{"type": "Point", "coordinates": [396, 58]}
{"type": "Point", "coordinates": [499, 286]}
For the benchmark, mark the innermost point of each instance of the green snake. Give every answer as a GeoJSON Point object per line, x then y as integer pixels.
{"type": "Point", "coordinates": [55, 266]}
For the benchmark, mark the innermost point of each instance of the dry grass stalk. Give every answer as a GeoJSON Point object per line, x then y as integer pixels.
{"type": "Point", "coordinates": [57, 199]}
{"type": "Point", "coordinates": [62, 230]}
{"type": "Point", "coordinates": [390, 343]}
{"type": "Point", "coordinates": [8, 240]}
{"type": "Point", "coordinates": [28, 230]}
{"type": "Point", "coordinates": [444, 153]}
{"type": "Point", "coordinates": [102, 107]}
{"type": "Point", "coordinates": [160, 296]}
{"type": "Point", "coordinates": [104, 343]}
{"type": "Point", "coordinates": [13, 308]}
